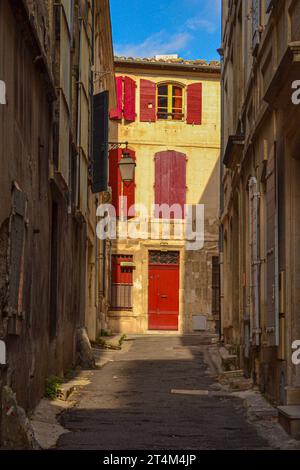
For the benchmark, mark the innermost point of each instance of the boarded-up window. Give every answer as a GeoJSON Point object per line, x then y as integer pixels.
{"type": "Point", "coordinates": [147, 101]}
{"type": "Point", "coordinates": [170, 180]}
{"type": "Point", "coordinates": [122, 280]}
{"type": "Point", "coordinates": [194, 104]}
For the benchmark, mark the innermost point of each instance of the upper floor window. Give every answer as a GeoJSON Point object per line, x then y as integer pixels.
{"type": "Point", "coordinates": [170, 102]}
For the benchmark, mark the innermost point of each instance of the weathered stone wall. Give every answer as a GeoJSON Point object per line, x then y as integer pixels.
{"type": "Point", "coordinates": [259, 111]}
{"type": "Point", "coordinates": [29, 139]}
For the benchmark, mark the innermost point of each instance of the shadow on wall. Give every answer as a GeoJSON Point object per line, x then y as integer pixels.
{"type": "Point", "coordinates": [202, 279]}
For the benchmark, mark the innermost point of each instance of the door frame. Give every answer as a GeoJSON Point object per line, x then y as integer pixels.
{"type": "Point", "coordinates": [178, 266]}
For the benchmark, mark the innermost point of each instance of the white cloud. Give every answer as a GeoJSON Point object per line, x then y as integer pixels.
{"type": "Point", "coordinates": [208, 19]}
{"type": "Point", "coordinates": [196, 24]}
{"type": "Point", "coordinates": [158, 43]}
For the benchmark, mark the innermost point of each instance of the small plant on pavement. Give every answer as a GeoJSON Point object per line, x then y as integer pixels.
{"type": "Point", "coordinates": [122, 339]}
{"type": "Point", "coordinates": [53, 387]}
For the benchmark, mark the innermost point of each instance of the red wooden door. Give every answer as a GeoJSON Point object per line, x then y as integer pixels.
{"type": "Point", "coordinates": [163, 291]}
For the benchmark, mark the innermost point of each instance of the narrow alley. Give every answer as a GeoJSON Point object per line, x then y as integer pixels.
{"type": "Point", "coordinates": [149, 227]}
{"type": "Point", "coordinates": [143, 399]}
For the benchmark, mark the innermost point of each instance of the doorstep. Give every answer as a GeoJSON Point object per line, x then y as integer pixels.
{"type": "Point", "coordinates": [292, 395]}
{"type": "Point", "coordinates": [289, 418]}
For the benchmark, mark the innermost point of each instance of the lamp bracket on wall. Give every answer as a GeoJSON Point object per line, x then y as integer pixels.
{"type": "Point", "coordinates": [100, 75]}
{"type": "Point", "coordinates": [116, 145]}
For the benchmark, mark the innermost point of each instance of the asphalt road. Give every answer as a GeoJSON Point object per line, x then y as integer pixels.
{"type": "Point", "coordinates": [130, 405]}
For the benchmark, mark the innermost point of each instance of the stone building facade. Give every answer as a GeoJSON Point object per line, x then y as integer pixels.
{"type": "Point", "coordinates": [259, 213]}
{"type": "Point", "coordinates": [169, 113]}
{"type": "Point", "coordinates": [47, 231]}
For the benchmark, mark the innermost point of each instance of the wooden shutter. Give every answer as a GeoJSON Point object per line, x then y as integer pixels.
{"type": "Point", "coordinates": [162, 178]}
{"type": "Point", "coordinates": [100, 142]}
{"type": "Point", "coordinates": [194, 103]}
{"type": "Point", "coordinates": [178, 180]}
{"type": "Point", "coordinates": [272, 254]}
{"type": "Point", "coordinates": [129, 99]}
{"type": "Point", "coordinates": [115, 177]}
{"type": "Point", "coordinates": [117, 113]}
{"type": "Point", "coordinates": [147, 101]}
{"type": "Point", "coordinates": [129, 187]}
{"type": "Point", "coordinates": [170, 178]}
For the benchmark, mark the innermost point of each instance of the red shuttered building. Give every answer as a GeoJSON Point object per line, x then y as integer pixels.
{"type": "Point", "coordinates": [168, 114]}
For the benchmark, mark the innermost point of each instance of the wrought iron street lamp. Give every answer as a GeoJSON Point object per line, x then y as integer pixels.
{"type": "Point", "coordinates": [127, 167]}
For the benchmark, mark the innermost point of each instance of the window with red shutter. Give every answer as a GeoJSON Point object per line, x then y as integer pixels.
{"type": "Point", "coordinates": [170, 179]}
{"type": "Point", "coordinates": [121, 282]}
{"type": "Point", "coordinates": [117, 113]}
{"type": "Point", "coordinates": [147, 101]}
{"type": "Point", "coordinates": [194, 103]}
{"type": "Point", "coordinates": [170, 102]}
{"type": "Point", "coordinates": [119, 188]}
{"type": "Point", "coordinates": [129, 189]}
{"type": "Point", "coordinates": [115, 177]}
{"type": "Point", "coordinates": [129, 99]}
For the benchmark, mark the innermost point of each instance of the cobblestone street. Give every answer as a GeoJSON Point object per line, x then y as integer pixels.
{"type": "Point", "coordinates": [142, 400]}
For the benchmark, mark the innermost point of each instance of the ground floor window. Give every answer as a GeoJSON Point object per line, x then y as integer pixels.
{"type": "Point", "coordinates": [122, 281]}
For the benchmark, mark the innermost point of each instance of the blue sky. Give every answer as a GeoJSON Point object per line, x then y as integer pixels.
{"type": "Point", "coordinates": [144, 28]}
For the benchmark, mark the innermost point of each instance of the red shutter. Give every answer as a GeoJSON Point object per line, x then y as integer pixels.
{"type": "Point", "coordinates": [129, 99]}
{"type": "Point", "coordinates": [178, 180]}
{"type": "Point", "coordinates": [117, 113]}
{"type": "Point", "coordinates": [162, 178]}
{"type": "Point", "coordinates": [129, 188]}
{"type": "Point", "coordinates": [147, 101]}
{"type": "Point", "coordinates": [170, 178]}
{"type": "Point", "coordinates": [121, 275]}
{"type": "Point", "coordinates": [115, 177]}
{"type": "Point", "coordinates": [194, 103]}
